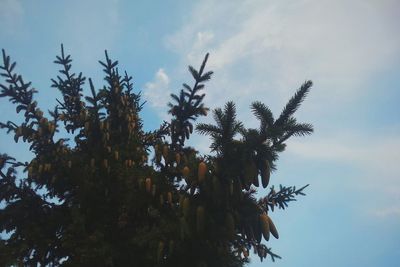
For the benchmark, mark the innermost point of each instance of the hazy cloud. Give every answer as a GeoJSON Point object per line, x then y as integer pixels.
{"type": "Point", "coordinates": [393, 211]}
{"type": "Point", "coordinates": [11, 15]}
{"type": "Point", "coordinates": [354, 149]}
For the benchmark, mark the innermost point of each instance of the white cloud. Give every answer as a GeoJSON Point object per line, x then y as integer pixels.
{"type": "Point", "coordinates": [204, 38]}
{"type": "Point", "coordinates": [393, 211]}
{"type": "Point", "coordinates": [157, 91]}
{"type": "Point", "coordinates": [259, 45]}
{"type": "Point", "coordinates": [376, 158]}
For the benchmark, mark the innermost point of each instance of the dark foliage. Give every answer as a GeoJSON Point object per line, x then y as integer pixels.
{"type": "Point", "coordinates": [97, 200]}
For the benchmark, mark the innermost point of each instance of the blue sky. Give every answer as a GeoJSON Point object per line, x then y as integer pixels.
{"type": "Point", "coordinates": [259, 50]}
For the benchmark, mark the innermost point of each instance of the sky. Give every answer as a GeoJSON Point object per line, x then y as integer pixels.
{"type": "Point", "coordinates": [259, 50]}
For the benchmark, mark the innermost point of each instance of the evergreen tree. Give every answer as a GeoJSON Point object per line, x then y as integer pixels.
{"type": "Point", "coordinates": [98, 200]}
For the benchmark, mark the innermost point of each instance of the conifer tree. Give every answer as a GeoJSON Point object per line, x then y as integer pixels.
{"type": "Point", "coordinates": [115, 195]}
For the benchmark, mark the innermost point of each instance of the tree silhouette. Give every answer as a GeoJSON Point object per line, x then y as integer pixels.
{"type": "Point", "coordinates": [96, 199]}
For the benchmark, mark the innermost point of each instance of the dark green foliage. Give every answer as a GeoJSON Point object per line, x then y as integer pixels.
{"type": "Point", "coordinates": [227, 127]}
{"type": "Point", "coordinates": [188, 106]}
{"type": "Point", "coordinates": [97, 200]}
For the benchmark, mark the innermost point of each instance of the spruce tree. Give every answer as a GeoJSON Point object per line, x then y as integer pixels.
{"type": "Point", "coordinates": [116, 195]}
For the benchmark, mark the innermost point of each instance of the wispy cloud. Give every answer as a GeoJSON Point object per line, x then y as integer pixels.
{"type": "Point", "coordinates": [275, 44]}
{"type": "Point", "coordinates": [374, 161]}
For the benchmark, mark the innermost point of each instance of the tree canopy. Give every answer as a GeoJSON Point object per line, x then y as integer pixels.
{"type": "Point", "coordinates": [116, 195]}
